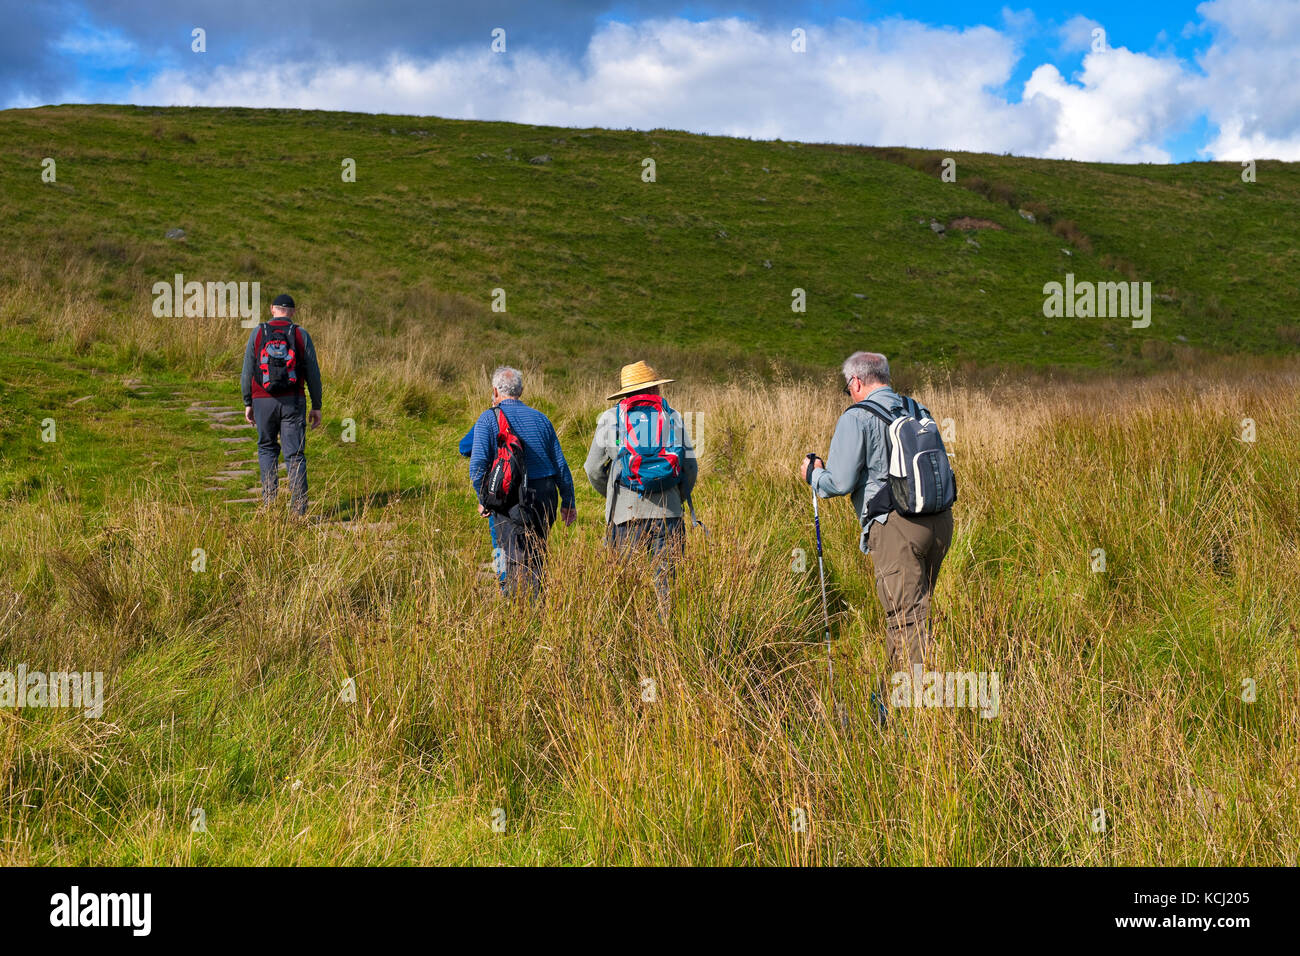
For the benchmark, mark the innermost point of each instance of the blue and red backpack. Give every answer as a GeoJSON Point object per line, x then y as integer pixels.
{"type": "Point", "coordinates": [650, 448]}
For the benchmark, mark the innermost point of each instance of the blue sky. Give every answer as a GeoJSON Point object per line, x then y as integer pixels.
{"type": "Point", "coordinates": [1173, 81]}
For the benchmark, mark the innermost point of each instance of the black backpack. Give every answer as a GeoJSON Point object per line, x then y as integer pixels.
{"type": "Point", "coordinates": [921, 481]}
{"type": "Point", "coordinates": [277, 351]}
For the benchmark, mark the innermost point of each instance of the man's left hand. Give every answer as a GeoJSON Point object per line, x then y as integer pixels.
{"type": "Point", "coordinates": [314, 418]}
{"type": "Point", "coordinates": [803, 466]}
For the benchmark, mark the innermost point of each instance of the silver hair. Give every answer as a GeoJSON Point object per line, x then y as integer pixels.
{"type": "Point", "coordinates": [867, 367]}
{"type": "Point", "coordinates": [508, 381]}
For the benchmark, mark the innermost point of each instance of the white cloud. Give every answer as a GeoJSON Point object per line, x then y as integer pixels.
{"type": "Point", "coordinates": [100, 48]}
{"type": "Point", "coordinates": [1077, 34]}
{"type": "Point", "coordinates": [894, 82]}
{"type": "Point", "coordinates": [1120, 110]}
{"type": "Point", "coordinates": [1249, 90]}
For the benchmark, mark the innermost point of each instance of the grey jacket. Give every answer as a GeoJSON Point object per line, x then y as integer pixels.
{"type": "Point", "coordinates": [622, 503]}
{"type": "Point", "coordinates": [858, 463]}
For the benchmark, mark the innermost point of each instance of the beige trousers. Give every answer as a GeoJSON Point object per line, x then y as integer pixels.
{"type": "Point", "coordinates": [907, 553]}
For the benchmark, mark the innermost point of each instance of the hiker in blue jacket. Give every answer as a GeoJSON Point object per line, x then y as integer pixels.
{"type": "Point", "coordinates": [521, 534]}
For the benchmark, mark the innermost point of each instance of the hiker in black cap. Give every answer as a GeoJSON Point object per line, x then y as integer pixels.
{"type": "Point", "coordinates": [279, 370]}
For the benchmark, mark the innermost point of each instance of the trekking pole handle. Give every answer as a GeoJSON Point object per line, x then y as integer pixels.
{"type": "Point", "coordinates": [812, 457]}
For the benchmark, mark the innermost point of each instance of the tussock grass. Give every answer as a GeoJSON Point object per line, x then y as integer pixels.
{"type": "Point", "coordinates": [1120, 690]}
{"type": "Point", "coordinates": [598, 731]}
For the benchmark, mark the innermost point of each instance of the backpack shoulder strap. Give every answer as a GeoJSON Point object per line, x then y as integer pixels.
{"type": "Point", "coordinates": [261, 337]}
{"type": "Point", "coordinates": [500, 410]}
{"type": "Point", "coordinates": [874, 409]}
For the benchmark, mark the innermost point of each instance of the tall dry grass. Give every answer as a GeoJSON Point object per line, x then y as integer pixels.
{"type": "Point", "coordinates": [1121, 690]}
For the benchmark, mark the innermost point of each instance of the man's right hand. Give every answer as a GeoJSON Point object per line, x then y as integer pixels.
{"type": "Point", "coordinates": [483, 512]}
{"type": "Point", "coordinates": [248, 414]}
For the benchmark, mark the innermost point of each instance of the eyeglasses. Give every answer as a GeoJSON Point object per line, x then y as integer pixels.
{"type": "Point", "coordinates": [846, 387]}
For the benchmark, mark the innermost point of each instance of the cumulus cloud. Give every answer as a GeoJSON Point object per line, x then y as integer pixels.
{"type": "Point", "coordinates": [1120, 110]}
{"type": "Point", "coordinates": [892, 82]}
{"type": "Point", "coordinates": [1249, 89]}
{"type": "Point", "coordinates": [895, 82]}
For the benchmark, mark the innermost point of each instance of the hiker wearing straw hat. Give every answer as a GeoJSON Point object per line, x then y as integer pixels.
{"type": "Point", "coordinates": [643, 462]}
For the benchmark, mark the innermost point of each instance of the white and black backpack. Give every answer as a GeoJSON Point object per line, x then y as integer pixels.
{"type": "Point", "coordinates": [921, 481]}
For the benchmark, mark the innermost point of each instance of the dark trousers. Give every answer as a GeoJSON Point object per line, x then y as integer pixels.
{"type": "Point", "coordinates": [521, 539]}
{"type": "Point", "coordinates": [663, 539]}
{"type": "Point", "coordinates": [282, 425]}
{"type": "Point", "coordinates": [907, 553]}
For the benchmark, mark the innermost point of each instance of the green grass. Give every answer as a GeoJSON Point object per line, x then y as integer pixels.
{"type": "Point", "coordinates": [592, 258]}
{"type": "Point", "coordinates": [1121, 690]}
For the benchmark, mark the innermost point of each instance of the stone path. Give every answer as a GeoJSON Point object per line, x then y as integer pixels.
{"type": "Point", "coordinates": [228, 418]}
{"type": "Point", "coordinates": [239, 481]}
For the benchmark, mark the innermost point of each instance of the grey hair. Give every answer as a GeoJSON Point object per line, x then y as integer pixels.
{"type": "Point", "coordinates": [508, 381]}
{"type": "Point", "coordinates": [867, 367]}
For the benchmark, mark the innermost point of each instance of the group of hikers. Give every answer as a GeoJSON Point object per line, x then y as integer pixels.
{"type": "Point", "coordinates": [885, 454]}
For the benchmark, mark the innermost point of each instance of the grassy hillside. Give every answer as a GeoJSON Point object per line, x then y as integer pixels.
{"type": "Point", "coordinates": [593, 259]}
{"type": "Point", "coordinates": [1122, 689]}
{"type": "Point", "coordinates": [1221, 250]}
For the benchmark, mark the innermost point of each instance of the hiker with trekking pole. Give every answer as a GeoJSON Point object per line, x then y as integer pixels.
{"type": "Point", "coordinates": [643, 463]}
{"type": "Point", "coordinates": [887, 454]}
{"type": "Point", "coordinates": [518, 471]}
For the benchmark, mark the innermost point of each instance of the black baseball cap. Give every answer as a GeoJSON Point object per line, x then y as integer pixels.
{"type": "Point", "coordinates": [284, 300]}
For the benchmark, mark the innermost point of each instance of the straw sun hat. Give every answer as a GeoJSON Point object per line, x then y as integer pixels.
{"type": "Point", "coordinates": [635, 377]}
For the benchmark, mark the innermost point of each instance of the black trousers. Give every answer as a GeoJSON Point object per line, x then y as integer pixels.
{"type": "Point", "coordinates": [521, 538]}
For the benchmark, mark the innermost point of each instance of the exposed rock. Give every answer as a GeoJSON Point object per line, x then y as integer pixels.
{"type": "Point", "coordinates": [175, 234]}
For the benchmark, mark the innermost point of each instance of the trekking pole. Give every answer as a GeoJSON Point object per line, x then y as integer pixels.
{"type": "Point", "coordinates": [690, 503]}
{"type": "Point", "coordinates": [821, 573]}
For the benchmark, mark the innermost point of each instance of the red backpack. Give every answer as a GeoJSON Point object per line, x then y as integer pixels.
{"type": "Point", "coordinates": [277, 352]}
{"type": "Point", "coordinates": [506, 478]}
